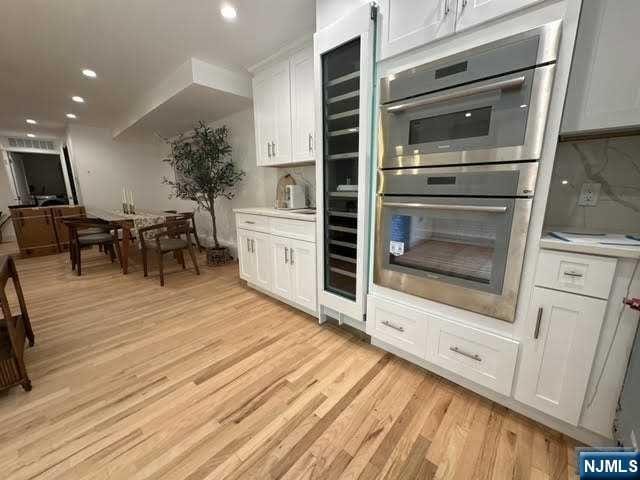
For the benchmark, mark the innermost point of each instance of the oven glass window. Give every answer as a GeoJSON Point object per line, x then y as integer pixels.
{"type": "Point", "coordinates": [451, 126]}
{"type": "Point", "coordinates": [456, 244]}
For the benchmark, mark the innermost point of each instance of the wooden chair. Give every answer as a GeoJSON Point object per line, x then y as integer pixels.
{"type": "Point", "coordinates": [86, 232]}
{"type": "Point", "coordinates": [167, 239]}
{"type": "Point", "coordinates": [14, 330]}
{"type": "Point", "coordinates": [190, 217]}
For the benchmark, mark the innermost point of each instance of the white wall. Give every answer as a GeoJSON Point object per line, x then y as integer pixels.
{"type": "Point", "coordinates": [258, 187]}
{"type": "Point", "coordinates": [6, 199]}
{"type": "Point", "coordinates": [103, 166]}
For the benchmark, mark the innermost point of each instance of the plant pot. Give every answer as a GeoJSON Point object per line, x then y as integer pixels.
{"type": "Point", "coordinates": [218, 256]}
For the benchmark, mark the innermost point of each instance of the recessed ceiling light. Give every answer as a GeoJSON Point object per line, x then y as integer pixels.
{"type": "Point", "coordinates": [77, 99]}
{"type": "Point", "coordinates": [71, 115]}
{"type": "Point", "coordinates": [31, 121]}
{"type": "Point", "coordinates": [87, 72]}
{"type": "Point", "coordinates": [565, 182]}
{"type": "Point", "coordinates": [468, 114]}
{"type": "Point", "coordinates": [228, 12]}
{"type": "Point", "coordinates": [31, 135]}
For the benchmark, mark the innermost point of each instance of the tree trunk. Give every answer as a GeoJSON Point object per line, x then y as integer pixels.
{"type": "Point", "coordinates": [214, 230]}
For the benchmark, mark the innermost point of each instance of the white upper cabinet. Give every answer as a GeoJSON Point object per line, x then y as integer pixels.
{"type": "Point", "coordinates": [281, 148]}
{"type": "Point", "coordinates": [406, 24]}
{"type": "Point", "coordinates": [473, 12]}
{"type": "Point", "coordinates": [410, 23]}
{"type": "Point", "coordinates": [603, 91]}
{"type": "Point", "coordinates": [263, 109]}
{"type": "Point", "coordinates": [272, 115]}
{"type": "Point", "coordinates": [284, 111]}
{"type": "Point", "coordinates": [302, 111]}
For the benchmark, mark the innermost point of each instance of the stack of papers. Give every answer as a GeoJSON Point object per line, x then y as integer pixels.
{"type": "Point", "coordinates": [598, 238]}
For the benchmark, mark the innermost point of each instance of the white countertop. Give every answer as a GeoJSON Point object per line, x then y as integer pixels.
{"type": "Point", "coordinates": [618, 251]}
{"type": "Point", "coordinates": [276, 212]}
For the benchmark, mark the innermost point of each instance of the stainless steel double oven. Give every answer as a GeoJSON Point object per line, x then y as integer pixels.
{"type": "Point", "coordinates": [459, 144]}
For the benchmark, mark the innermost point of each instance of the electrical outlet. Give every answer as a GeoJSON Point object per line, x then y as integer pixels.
{"type": "Point", "coordinates": [589, 194]}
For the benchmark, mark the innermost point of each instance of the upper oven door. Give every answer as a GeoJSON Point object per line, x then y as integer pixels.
{"type": "Point", "coordinates": [495, 120]}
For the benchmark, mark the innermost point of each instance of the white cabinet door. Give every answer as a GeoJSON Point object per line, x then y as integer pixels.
{"type": "Point", "coordinates": [563, 332]}
{"type": "Point", "coordinates": [261, 251]}
{"type": "Point", "coordinates": [302, 114]}
{"type": "Point", "coordinates": [410, 23]}
{"type": "Point", "coordinates": [280, 268]}
{"type": "Point", "coordinates": [281, 96]}
{"type": "Point", "coordinates": [263, 117]}
{"type": "Point", "coordinates": [302, 258]}
{"type": "Point", "coordinates": [473, 12]}
{"type": "Point", "coordinates": [246, 259]}
{"type": "Point", "coordinates": [603, 87]}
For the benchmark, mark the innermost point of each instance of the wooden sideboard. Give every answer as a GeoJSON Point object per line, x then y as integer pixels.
{"type": "Point", "coordinates": [40, 230]}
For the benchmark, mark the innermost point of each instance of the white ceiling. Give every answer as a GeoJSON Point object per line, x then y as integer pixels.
{"type": "Point", "coordinates": [180, 112]}
{"type": "Point", "coordinates": [131, 44]}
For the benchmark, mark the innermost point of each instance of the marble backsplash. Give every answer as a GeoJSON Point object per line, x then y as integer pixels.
{"type": "Point", "coordinates": [306, 176]}
{"type": "Point", "coordinates": [612, 162]}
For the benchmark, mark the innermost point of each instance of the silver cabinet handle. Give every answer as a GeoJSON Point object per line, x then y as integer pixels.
{"type": "Point", "coordinates": [464, 4]}
{"type": "Point", "coordinates": [536, 332]}
{"type": "Point", "coordinates": [393, 325]}
{"type": "Point", "coordinates": [249, 222]}
{"type": "Point", "coordinates": [572, 274]}
{"type": "Point", "coordinates": [441, 97]}
{"type": "Point", "coordinates": [436, 206]}
{"type": "Point", "coordinates": [273, 148]}
{"type": "Point", "coordinates": [446, 8]}
{"type": "Point", "coordinates": [472, 356]}
{"type": "Point", "coordinates": [269, 149]}
{"type": "Point", "coordinates": [253, 246]}
{"type": "Point", "coordinates": [310, 143]}
{"type": "Point", "coordinates": [286, 255]}
{"type": "Point", "coordinates": [291, 257]}
{"type": "Point", "coordinates": [248, 245]}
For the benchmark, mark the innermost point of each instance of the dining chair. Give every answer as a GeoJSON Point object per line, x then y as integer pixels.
{"type": "Point", "coordinates": [14, 330]}
{"type": "Point", "coordinates": [166, 238]}
{"type": "Point", "coordinates": [190, 217]}
{"type": "Point", "coordinates": [86, 232]}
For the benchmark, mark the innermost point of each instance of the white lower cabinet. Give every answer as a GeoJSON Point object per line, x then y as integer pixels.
{"type": "Point", "coordinates": [303, 269]}
{"type": "Point", "coordinates": [397, 325]}
{"type": "Point", "coordinates": [280, 267]}
{"type": "Point", "coordinates": [278, 261]}
{"type": "Point", "coordinates": [254, 258]}
{"type": "Point", "coordinates": [483, 357]}
{"type": "Point", "coordinates": [294, 271]}
{"type": "Point", "coordinates": [563, 332]}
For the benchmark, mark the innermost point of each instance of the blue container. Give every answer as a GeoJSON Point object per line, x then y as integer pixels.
{"type": "Point", "coordinates": [401, 229]}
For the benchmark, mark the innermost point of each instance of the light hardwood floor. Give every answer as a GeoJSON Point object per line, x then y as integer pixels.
{"type": "Point", "coordinates": [206, 378]}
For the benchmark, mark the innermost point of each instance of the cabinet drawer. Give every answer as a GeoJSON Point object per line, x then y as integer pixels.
{"type": "Point", "coordinates": [256, 223]}
{"type": "Point", "coordinates": [576, 273]}
{"type": "Point", "coordinates": [297, 229]}
{"type": "Point", "coordinates": [482, 357]}
{"type": "Point", "coordinates": [398, 325]}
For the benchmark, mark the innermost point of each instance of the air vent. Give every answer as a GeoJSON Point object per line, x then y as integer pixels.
{"type": "Point", "coordinates": [17, 142]}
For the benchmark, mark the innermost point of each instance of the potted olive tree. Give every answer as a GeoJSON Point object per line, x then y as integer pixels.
{"type": "Point", "coordinates": [204, 172]}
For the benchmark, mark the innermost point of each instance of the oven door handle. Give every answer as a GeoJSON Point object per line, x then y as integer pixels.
{"type": "Point", "coordinates": [436, 206]}
{"type": "Point", "coordinates": [419, 102]}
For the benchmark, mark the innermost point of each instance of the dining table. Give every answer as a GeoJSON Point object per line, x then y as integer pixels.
{"type": "Point", "coordinates": [129, 223]}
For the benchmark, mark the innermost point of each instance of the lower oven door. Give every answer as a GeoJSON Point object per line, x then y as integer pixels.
{"type": "Point", "coordinates": [465, 252]}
